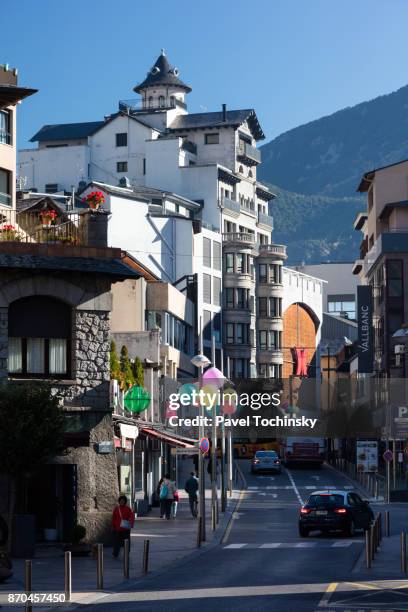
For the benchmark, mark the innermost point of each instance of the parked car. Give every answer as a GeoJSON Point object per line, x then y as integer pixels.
{"type": "Point", "coordinates": [343, 511]}
{"type": "Point", "coordinates": [266, 461]}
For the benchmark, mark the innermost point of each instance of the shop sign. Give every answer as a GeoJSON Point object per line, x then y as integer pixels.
{"type": "Point", "coordinates": [105, 447]}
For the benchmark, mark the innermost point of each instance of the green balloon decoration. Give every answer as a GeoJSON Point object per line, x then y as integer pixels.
{"type": "Point", "coordinates": [136, 399]}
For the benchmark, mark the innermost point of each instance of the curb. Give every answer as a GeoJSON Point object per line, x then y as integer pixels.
{"type": "Point", "coordinates": [356, 484]}
{"type": "Point", "coordinates": [125, 585]}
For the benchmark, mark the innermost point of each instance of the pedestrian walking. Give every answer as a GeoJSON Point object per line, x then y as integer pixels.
{"type": "Point", "coordinates": [123, 519]}
{"type": "Point", "coordinates": [161, 501]}
{"type": "Point", "coordinates": [167, 491]}
{"type": "Point", "coordinates": [174, 505]}
{"type": "Point", "coordinates": [191, 488]}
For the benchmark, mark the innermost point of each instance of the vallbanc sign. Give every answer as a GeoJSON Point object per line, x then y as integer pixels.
{"type": "Point", "coordinates": [365, 348]}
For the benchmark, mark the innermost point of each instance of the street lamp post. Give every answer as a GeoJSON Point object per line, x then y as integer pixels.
{"type": "Point", "coordinates": [201, 361]}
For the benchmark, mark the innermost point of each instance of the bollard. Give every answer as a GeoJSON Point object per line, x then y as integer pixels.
{"type": "Point", "coordinates": [372, 548]}
{"type": "Point", "coordinates": [368, 549]}
{"type": "Point", "coordinates": [387, 523]}
{"type": "Point", "coordinates": [99, 566]}
{"type": "Point", "coordinates": [380, 528]}
{"type": "Point", "coordinates": [126, 549]}
{"type": "Point", "coordinates": [146, 546]}
{"type": "Point", "coordinates": [403, 552]}
{"type": "Point", "coordinates": [28, 574]}
{"type": "Point", "coordinates": [376, 488]}
{"type": "Point", "coordinates": [67, 575]}
{"type": "Point", "coordinates": [199, 531]}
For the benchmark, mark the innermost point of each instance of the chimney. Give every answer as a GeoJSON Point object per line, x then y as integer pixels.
{"type": "Point", "coordinates": [224, 112]}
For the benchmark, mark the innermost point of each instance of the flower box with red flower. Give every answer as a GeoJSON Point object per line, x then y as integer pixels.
{"type": "Point", "coordinates": [47, 217]}
{"type": "Point", "coordinates": [9, 233]}
{"type": "Point", "coordinates": [94, 199]}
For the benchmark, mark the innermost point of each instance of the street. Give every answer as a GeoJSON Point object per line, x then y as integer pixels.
{"type": "Point", "coordinates": [262, 562]}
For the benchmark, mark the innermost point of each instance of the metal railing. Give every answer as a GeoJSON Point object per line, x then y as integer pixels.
{"type": "Point", "coordinates": [265, 219]}
{"type": "Point", "coordinates": [5, 137]}
{"type": "Point", "coordinates": [23, 226]}
{"type": "Point", "coordinates": [247, 151]}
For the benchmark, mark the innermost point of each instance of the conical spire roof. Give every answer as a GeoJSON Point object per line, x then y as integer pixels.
{"type": "Point", "coordinates": [162, 74]}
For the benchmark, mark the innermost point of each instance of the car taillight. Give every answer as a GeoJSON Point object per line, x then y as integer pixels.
{"type": "Point", "coordinates": [256, 461]}
{"type": "Point", "coordinates": [304, 510]}
{"type": "Point", "coordinates": [340, 511]}
{"type": "Point", "coordinates": [277, 461]}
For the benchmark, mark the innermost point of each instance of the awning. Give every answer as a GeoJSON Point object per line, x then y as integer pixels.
{"type": "Point", "coordinates": [165, 437]}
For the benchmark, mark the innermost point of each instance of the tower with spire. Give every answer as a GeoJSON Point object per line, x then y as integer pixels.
{"type": "Point", "coordinates": [162, 88]}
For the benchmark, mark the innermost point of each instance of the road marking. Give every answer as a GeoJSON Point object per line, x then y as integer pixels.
{"type": "Point", "coordinates": [305, 545]}
{"type": "Point", "coordinates": [296, 490]}
{"type": "Point", "coordinates": [253, 488]}
{"type": "Point", "coordinates": [235, 546]}
{"type": "Point", "coordinates": [343, 544]}
{"type": "Point", "coordinates": [326, 596]}
{"type": "Point", "coordinates": [270, 545]}
{"type": "Point", "coordinates": [297, 545]}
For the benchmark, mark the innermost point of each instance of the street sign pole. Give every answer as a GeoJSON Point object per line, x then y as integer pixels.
{"type": "Point", "coordinates": [388, 456]}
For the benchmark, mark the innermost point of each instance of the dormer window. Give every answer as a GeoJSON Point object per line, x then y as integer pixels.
{"type": "Point", "coordinates": [150, 101]}
{"type": "Point", "coordinates": [172, 101]}
{"type": "Point", "coordinates": [161, 101]}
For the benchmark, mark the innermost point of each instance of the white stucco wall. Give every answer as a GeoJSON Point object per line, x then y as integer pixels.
{"type": "Point", "coordinates": [303, 289]}
{"type": "Point", "coordinates": [65, 166]}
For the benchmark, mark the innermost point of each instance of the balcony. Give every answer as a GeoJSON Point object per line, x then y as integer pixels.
{"type": "Point", "coordinates": [265, 220]}
{"type": "Point", "coordinates": [239, 237]}
{"type": "Point", "coordinates": [231, 205]}
{"type": "Point", "coordinates": [189, 146]}
{"type": "Point", "coordinates": [273, 249]}
{"type": "Point", "coordinates": [248, 208]}
{"type": "Point", "coordinates": [5, 199]}
{"type": "Point", "coordinates": [248, 154]}
{"type": "Point", "coordinates": [392, 241]}
{"type": "Point", "coordinates": [357, 266]}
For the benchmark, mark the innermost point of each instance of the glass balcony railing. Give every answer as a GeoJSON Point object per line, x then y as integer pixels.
{"type": "Point", "coordinates": [231, 204]}
{"type": "Point", "coordinates": [248, 152]}
{"type": "Point", "coordinates": [5, 137]}
{"type": "Point", "coordinates": [265, 219]}
{"type": "Point", "coordinates": [5, 198]}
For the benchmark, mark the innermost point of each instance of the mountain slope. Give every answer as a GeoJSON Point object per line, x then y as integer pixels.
{"type": "Point", "coordinates": [329, 155]}
{"type": "Point", "coordinates": [315, 228]}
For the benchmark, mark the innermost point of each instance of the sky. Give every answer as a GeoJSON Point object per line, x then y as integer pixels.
{"type": "Point", "coordinates": [291, 60]}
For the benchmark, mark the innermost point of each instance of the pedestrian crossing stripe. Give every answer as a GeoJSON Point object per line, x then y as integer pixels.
{"type": "Point", "coordinates": [298, 545]}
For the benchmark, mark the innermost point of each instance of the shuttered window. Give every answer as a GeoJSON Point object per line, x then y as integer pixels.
{"type": "Point", "coordinates": [216, 291]}
{"type": "Point", "coordinates": [207, 252]}
{"type": "Point", "coordinates": [207, 288]}
{"type": "Point", "coordinates": [216, 255]}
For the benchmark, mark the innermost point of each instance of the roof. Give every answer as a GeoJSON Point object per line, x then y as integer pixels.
{"type": "Point", "coordinates": [11, 94]}
{"type": "Point", "coordinates": [360, 220]}
{"type": "Point", "coordinates": [233, 118]}
{"type": "Point", "coordinates": [369, 176]}
{"type": "Point", "coordinates": [133, 263]}
{"type": "Point", "coordinates": [67, 131]}
{"type": "Point", "coordinates": [162, 73]}
{"type": "Point", "coordinates": [84, 265]}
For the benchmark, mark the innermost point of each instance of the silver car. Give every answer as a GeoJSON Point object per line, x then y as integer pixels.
{"type": "Point", "coordinates": [266, 461]}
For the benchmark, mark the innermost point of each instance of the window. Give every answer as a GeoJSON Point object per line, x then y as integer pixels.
{"type": "Point", "coordinates": [342, 306]}
{"type": "Point", "coordinates": [216, 291]}
{"type": "Point", "coordinates": [121, 139]}
{"type": "Point", "coordinates": [5, 187]}
{"type": "Point", "coordinates": [274, 273]}
{"type": "Point", "coordinates": [207, 325]}
{"type": "Point", "coordinates": [230, 333]}
{"type": "Point", "coordinates": [217, 326]}
{"type": "Point", "coordinates": [210, 139]}
{"type": "Point", "coordinates": [240, 262]}
{"type": "Point", "coordinates": [121, 166]}
{"type": "Point", "coordinates": [239, 333]}
{"type": "Point", "coordinates": [262, 273]}
{"type": "Point", "coordinates": [172, 101]}
{"type": "Point", "coordinates": [263, 340]}
{"type": "Point", "coordinates": [207, 288]}
{"type": "Point", "coordinates": [47, 353]}
{"type": "Point", "coordinates": [394, 277]}
{"type": "Point", "coordinates": [150, 101]}
{"type": "Point", "coordinates": [161, 101]}
{"type": "Point", "coordinates": [262, 307]}
{"type": "Point", "coordinates": [207, 252]}
{"type": "Point", "coordinates": [242, 298]}
{"type": "Point", "coordinates": [216, 255]}
{"type": "Point", "coordinates": [229, 298]}
{"type": "Point", "coordinates": [5, 127]}
{"type": "Point", "coordinates": [51, 188]}
{"type": "Point", "coordinates": [229, 263]}
{"type": "Point", "coordinates": [144, 166]}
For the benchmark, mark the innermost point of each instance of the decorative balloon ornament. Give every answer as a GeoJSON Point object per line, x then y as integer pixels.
{"type": "Point", "coordinates": [136, 399]}
{"type": "Point", "coordinates": [229, 401]}
{"type": "Point", "coordinates": [204, 445]}
{"type": "Point", "coordinates": [189, 390]}
{"type": "Point", "coordinates": [215, 377]}
{"type": "Point", "coordinates": [209, 396]}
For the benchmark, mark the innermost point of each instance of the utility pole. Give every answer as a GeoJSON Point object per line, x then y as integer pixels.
{"type": "Point", "coordinates": [213, 451]}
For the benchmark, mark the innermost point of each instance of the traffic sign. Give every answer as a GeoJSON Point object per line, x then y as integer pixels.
{"type": "Point", "coordinates": [388, 455]}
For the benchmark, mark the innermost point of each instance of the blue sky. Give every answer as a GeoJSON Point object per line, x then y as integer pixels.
{"type": "Point", "coordinates": [292, 60]}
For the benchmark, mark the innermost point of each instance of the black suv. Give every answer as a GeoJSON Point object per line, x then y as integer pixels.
{"type": "Point", "coordinates": [334, 511]}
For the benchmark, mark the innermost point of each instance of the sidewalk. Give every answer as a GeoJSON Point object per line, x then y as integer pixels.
{"type": "Point", "coordinates": [170, 540]}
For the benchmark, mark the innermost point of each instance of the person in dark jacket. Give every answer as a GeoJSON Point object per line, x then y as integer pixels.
{"type": "Point", "coordinates": [123, 519]}
{"type": "Point", "coordinates": [191, 488]}
{"type": "Point", "coordinates": [161, 501]}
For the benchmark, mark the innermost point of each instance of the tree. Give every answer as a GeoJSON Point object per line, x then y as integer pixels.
{"type": "Point", "coordinates": [138, 372]}
{"type": "Point", "coordinates": [31, 432]}
{"type": "Point", "coordinates": [126, 368]}
{"type": "Point", "coordinates": [114, 363]}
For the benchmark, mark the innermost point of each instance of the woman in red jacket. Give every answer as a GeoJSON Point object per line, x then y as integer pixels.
{"type": "Point", "coordinates": [123, 520]}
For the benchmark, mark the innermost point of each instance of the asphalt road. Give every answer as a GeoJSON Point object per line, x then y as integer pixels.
{"type": "Point", "coordinates": [263, 563]}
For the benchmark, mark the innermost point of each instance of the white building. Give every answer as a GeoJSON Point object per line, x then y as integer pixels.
{"type": "Point", "coordinates": [189, 192]}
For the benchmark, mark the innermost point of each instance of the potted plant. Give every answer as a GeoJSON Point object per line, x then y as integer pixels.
{"type": "Point", "coordinates": [9, 233]}
{"type": "Point", "coordinates": [47, 217]}
{"type": "Point", "coordinates": [94, 199]}
{"type": "Point", "coordinates": [77, 547]}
